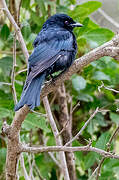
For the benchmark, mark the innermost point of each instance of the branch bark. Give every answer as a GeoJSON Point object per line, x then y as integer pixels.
{"type": "Point", "coordinates": [17, 29]}
{"type": "Point", "coordinates": [14, 145]}
{"type": "Point", "coordinates": [69, 149]}
{"type": "Point", "coordinates": [66, 125]}
{"type": "Point", "coordinates": [57, 138]}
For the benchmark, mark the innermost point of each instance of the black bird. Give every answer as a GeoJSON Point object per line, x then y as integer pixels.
{"type": "Point", "coordinates": [55, 48]}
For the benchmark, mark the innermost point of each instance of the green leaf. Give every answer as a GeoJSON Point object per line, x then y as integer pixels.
{"type": "Point", "coordinates": [85, 97]}
{"type": "Point", "coordinates": [102, 140]}
{"type": "Point", "coordinates": [99, 118]}
{"type": "Point", "coordinates": [32, 37]}
{"type": "Point", "coordinates": [30, 41]}
{"type": "Point", "coordinates": [78, 82]}
{"type": "Point", "coordinates": [2, 158]}
{"type": "Point", "coordinates": [85, 9]}
{"type": "Point", "coordinates": [98, 75]}
{"type": "Point", "coordinates": [6, 65]}
{"type": "Point", "coordinates": [114, 117]}
{"type": "Point", "coordinates": [90, 159]}
{"type": "Point", "coordinates": [51, 141]}
{"type": "Point", "coordinates": [36, 19]}
{"type": "Point", "coordinates": [98, 36]}
{"type": "Point", "coordinates": [26, 30]}
{"type": "Point", "coordinates": [44, 164]}
{"type": "Point", "coordinates": [42, 7]}
{"type": "Point", "coordinates": [111, 163]}
{"type": "Point", "coordinates": [84, 28]}
{"type": "Point", "coordinates": [72, 1]}
{"type": "Point", "coordinates": [35, 121]}
{"type": "Point", "coordinates": [26, 4]}
{"type": "Point", "coordinates": [5, 113]}
{"type": "Point", "coordinates": [6, 100]}
{"type": "Point", "coordinates": [4, 32]}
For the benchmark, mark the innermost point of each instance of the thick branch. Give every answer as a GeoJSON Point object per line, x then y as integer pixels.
{"type": "Point", "coordinates": [14, 146]}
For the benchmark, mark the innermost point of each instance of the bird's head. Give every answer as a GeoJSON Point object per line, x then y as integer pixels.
{"type": "Point", "coordinates": [63, 21]}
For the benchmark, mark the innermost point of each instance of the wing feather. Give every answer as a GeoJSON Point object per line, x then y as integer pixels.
{"type": "Point", "coordinates": [49, 48]}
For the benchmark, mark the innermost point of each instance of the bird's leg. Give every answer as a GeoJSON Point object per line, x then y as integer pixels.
{"type": "Point", "coordinates": [52, 77]}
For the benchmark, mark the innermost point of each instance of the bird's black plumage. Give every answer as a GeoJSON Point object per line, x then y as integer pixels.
{"type": "Point", "coordinates": [55, 48]}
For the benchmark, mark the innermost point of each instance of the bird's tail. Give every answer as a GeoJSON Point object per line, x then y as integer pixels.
{"type": "Point", "coordinates": [31, 94]}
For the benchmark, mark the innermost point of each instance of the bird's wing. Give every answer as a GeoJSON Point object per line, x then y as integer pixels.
{"type": "Point", "coordinates": [48, 44]}
{"type": "Point", "coordinates": [47, 52]}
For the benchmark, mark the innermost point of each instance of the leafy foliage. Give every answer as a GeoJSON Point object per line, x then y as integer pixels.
{"type": "Point", "coordinates": [83, 87]}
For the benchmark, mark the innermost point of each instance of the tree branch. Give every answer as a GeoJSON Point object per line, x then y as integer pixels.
{"type": "Point", "coordinates": [85, 125]}
{"type": "Point", "coordinates": [13, 71]}
{"type": "Point", "coordinates": [17, 29]}
{"type": "Point", "coordinates": [23, 167]}
{"type": "Point", "coordinates": [66, 126]}
{"type": "Point", "coordinates": [14, 145]}
{"type": "Point", "coordinates": [57, 138]}
{"type": "Point", "coordinates": [69, 149]}
{"type": "Point", "coordinates": [98, 169]}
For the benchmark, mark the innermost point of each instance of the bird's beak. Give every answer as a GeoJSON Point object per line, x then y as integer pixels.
{"type": "Point", "coordinates": [76, 24]}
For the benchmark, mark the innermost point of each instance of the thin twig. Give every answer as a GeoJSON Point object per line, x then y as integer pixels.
{"type": "Point", "coordinates": [110, 89]}
{"type": "Point", "coordinates": [64, 128]}
{"type": "Point", "coordinates": [31, 164]}
{"type": "Point", "coordinates": [111, 138]}
{"type": "Point", "coordinates": [18, 13]}
{"type": "Point", "coordinates": [13, 71]}
{"type": "Point", "coordinates": [23, 70]}
{"type": "Point", "coordinates": [6, 83]}
{"type": "Point", "coordinates": [54, 159]}
{"type": "Point", "coordinates": [52, 155]}
{"type": "Point", "coordinates": [23, 167]}
{"type": "Point", "coordinates": [38, 172]}
{"type": "Point", "coordinates": [98, 169]}
{"type": "Point", "coordinates": [77, 105]}
{"type": "Point", "coordinates": [17, 30]}
{"type": "Point", "coordinates": [85, 125]}
{"type": "Point", "coordinates": [40, 114]}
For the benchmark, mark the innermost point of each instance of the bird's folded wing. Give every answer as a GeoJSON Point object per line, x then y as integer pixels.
{"type": "Point", "coordinates": [49, 45]}
{"type": "Point", "coordinates": [48, 52]}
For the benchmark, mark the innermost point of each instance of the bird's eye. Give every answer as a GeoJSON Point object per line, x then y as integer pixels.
{"type": "Point", "coordinates": [66, 22]}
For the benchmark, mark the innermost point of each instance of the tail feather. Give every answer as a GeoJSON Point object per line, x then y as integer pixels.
{"type": "Point", "coordinates": [31, 94]}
